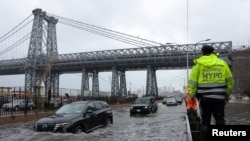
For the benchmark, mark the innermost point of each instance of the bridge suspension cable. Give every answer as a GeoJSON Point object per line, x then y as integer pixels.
{"type": "Point", "coordinates": [24, 38]}
{"type": "Point", "coordinates": [13, 30]}
{"type": "Point", "coordinates": [15, 39]}
{"type": "Point", "coordinates": [126, 38]}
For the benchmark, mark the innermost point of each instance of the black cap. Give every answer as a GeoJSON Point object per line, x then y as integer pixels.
{"type": "Point", "coordinates": [207, 49]}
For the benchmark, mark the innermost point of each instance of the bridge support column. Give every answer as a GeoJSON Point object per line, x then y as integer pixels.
{"type": "Point", "coordinates": [95, 86]}
{"type": "Point", "coordinates": [123, 86]}
{"type": "Point", "coordinates": [114, 82]}
{"type": "Point", "coordinates": [55, 84]}
{"type": "Point", "coordinates": [118, 89]}
{"type": "Point", "coordinates": [85, 83]}
{"type": "Point", "coordinates": [151, 84]}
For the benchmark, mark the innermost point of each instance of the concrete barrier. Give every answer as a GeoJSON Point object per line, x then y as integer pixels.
{"type": "Point", "coordinates": [23, 118]}
{"type": "Point", "coordinates": [194, 125]}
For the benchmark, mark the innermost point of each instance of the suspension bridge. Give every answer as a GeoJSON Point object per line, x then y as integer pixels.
{"type": "Point", "coordinates": [28, 48]}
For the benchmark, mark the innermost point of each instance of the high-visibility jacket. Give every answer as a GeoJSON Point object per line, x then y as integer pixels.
{"type": "Point", "coordinates": [210, 77]}
{"type": "Point", "coordinates": [191, 103]}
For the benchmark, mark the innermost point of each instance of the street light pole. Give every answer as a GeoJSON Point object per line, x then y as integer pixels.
{"type": "Point", "coordinates": [187, 65]}
{"type": "Point", "coordinates": [184, 80]}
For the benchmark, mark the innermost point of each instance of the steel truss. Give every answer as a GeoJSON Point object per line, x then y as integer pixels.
{"type": "Point", "coordinates": [118, 61]}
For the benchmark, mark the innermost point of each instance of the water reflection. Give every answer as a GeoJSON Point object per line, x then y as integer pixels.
{"type": "Point", "coordinates": [167, 124]}
{"type": "Point", "coordinates": [237, 113]}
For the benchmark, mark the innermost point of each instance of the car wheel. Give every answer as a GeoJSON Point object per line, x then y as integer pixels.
{"type": "Point", "coordinates": [155, 109]}
{"type": "Point", "coordinates": [150, 110]}
{"type": "Point", "coordinates": [107, 122]}
{"type": "Point", "coordinates": [17, 108]}
{"type": "Point", "coordinates": [78, 129]}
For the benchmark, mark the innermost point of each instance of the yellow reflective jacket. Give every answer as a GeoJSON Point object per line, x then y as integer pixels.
{"type": "Point", "coordinates": [210, 77]}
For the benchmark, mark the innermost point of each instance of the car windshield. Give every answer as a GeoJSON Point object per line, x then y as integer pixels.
{"type": "Point", "coordinates": [72, 108]}
{"type": "Point", "coordinates": [142, 101]}
{"type": "Point", "coordinates": [171, 99]}
{"type": "Point", "coordinates": [16, 101]}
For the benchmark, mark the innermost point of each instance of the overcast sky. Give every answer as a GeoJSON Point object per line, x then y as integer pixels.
{"type": "Point", "coordinates": [176, 21]}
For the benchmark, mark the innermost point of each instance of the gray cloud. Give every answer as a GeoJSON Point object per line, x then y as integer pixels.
{"type": "Point", "coordinates": [158, 20]}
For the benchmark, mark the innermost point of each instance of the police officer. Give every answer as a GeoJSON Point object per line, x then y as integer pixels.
{"type": "Point", "coordinates": [211, 81]}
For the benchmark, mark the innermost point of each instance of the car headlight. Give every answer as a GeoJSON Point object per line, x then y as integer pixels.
{"type": "Point", "coordinates": [62, 125]}
{"type": "Point", "coordinates": [131, 107]}
{"type": "Point", "coordinates": [146, 107]}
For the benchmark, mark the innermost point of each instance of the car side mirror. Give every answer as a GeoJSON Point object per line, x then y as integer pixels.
{"type": "Point", "coordinates": [133, 103]}
{"type": "Point", "coordinates": [89, 111]}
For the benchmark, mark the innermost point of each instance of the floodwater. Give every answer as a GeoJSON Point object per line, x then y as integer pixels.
{"type": "Point", "coordinates": [237, 113]}
{"type": "Point", "coordinates": [168, 124]}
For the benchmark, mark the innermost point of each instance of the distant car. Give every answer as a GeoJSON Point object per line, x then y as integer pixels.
{"type": "Point", "coordinates": [171, 101]}
{"type": "Point", "coordinates": [19, 104]}
{"type": "Point", "coordinates": [77, 117]}
{"type": "Point", "coordinates": [164, 100]}
{"type": "Point", "coordinates": [143, 105]}
{"type": "Point", "coordinates": [179, 99]}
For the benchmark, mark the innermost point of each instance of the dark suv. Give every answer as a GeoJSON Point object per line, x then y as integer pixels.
{"type": "Point", "coordinates": [143, 105]}
{"type": "Point", "coordinates": [77, 117]}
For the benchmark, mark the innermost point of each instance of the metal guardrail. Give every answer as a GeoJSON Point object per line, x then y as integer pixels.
{"type": "Point", "coordinates": [194, 125]}
{"type": "Point", "coordinates": [189, 136]}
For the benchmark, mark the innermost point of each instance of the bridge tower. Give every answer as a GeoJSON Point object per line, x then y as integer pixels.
{"type": "Point", "coordinates": [40, 52]}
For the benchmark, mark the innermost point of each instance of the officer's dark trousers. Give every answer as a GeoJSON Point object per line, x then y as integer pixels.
{"type": "Point", "coordinates": [209, 107]}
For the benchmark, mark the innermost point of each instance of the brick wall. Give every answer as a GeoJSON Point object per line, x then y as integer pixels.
{"type": "Point", "coordinates": [240, 70]}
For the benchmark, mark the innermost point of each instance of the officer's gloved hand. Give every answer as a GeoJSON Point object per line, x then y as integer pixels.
{"type": "Point", "coordinates": [192, 98]}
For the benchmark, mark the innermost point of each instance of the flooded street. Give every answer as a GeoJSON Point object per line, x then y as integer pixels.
{"type": "Point", "coordinates": [167, 124]}
{"type": "Point", "coordinates": [237, 114]}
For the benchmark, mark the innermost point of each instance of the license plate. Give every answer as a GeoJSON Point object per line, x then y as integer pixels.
{"type": "Point", "coordinates": [138, 110]}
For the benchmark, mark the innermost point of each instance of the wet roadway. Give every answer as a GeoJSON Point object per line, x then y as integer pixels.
{"type": "Point", "coordinates": [167, 124]}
